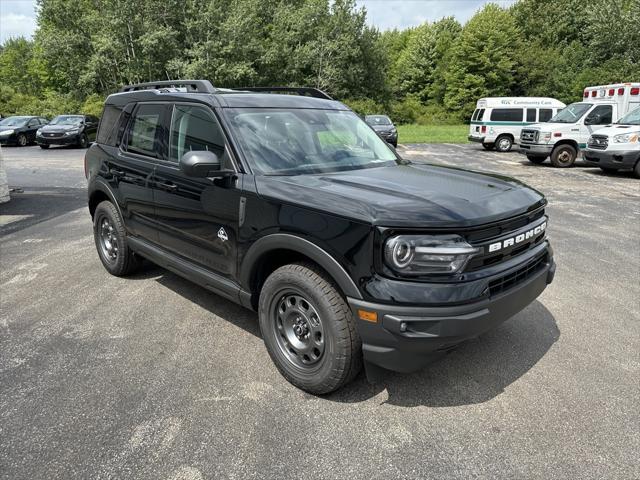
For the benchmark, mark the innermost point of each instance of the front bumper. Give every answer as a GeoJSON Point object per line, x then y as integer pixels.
{"type": "Point", "coordinates": [65, 140]}
{"type": "Point", "coordinates": [407, 338]}
{"type": "Point", "coordinates": [536, 149]}
{"type": "Point", "coordinates": [612, 159]}
{"type": "Point", "coordinates": [389, 137]}
{"type": "Point", "coordinates": [9, 140]}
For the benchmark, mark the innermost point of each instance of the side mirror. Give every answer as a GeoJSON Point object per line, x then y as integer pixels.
{"type": "Point", "coordinates": [202, 164]}
{"type": "Point", "coordinates": [593, 119]}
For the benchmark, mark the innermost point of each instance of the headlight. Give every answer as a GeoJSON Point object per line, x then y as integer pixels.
{"type": "Point", "coordinates": [38, 133]}
{"type": "Point", "coordinates": [413, 255]}
{"type": "Point", "coordinates": [544, 136]}
{"type": "Point", "coordinates": [393, 130]}
{"type": "Point", "coordinates": [627, 137]}
{"type": "Point", "coordinates": [6, 133]}
{"type": "Point", "coordinates": [72, 132]}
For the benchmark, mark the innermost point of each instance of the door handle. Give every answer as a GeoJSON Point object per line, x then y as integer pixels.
{"type": "Point", "coordinates": [169, 187]}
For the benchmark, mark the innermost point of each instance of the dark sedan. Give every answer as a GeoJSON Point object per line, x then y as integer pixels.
{"type": "Point", "coordinates": [77, 130]}
{"type": "Point", "coordinates": [20, 130]}
{"type": "Point", "coordinates": [383, 127]}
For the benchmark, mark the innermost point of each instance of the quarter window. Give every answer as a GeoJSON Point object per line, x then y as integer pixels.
{"type": "Point", "coordinates": [145, 130]}
{"type": "Point", "coordinates": [507, 115]}
{"type": "Point", "coordinates": [531, 115]}
{"type": "Point", "coordinates": [194, 128]}
{"type": "Point", "coordinates": [545, 114]}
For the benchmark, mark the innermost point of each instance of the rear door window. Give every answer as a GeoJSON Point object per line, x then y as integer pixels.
{"type": "Point", "coordinates": [145, 130]}
{"type": "Point", "coordinates": [545, 114]}
{"type": "Point", "coordinates": [507, 115]}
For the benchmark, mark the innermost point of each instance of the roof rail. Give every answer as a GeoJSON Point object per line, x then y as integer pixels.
{"type": "Point", "coordinates": [194, 86]}
{"type": "Point", "coordinates": [303, 91]}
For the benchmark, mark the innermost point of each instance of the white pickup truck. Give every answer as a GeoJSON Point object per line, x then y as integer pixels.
{"type": "Point", "coordinates": [562, 137]}
{"type": "Point", "coordinates": [617, 147]}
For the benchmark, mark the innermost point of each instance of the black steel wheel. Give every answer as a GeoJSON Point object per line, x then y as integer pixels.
{"type": "Point", "coordinates": [308, 329]}
{"type": "Point", "coordinates": [111, 241]}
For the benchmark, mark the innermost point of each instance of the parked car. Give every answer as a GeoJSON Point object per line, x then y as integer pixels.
{"type": "Point", "coordinates": [77, 130]}
{"type": "Point", "coordinates": [497, 121]}
{"type": "Point", "coordinates": [20, 130]}
{"type": "Point", "coordinates": [617, 147]}
{"type": "Point", "coordinates": [292, 206]}
{"type": "Point", "coordinates": [567, 133]}
{"type": "Point", "coordinates": [383, 127]}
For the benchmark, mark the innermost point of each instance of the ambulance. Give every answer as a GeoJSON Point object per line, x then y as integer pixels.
{"type": "Point", "coordinates": [497, 121]}
{"type": "Point", "coordinates": [563, 137]}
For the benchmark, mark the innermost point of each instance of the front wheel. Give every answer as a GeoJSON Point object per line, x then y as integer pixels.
{"type": "Point", "coordinates": [636, 170]}
{"type": "Point", "coordinates": [22, 140]}
{"type": "Point", "coordinates": [504, 143]}
{"type": "Point", "coordinates": [563, 156]}
{"type": "Point", "coordinates": [308, 329]}
{"type": "Point", "coordinates": [83, 141]}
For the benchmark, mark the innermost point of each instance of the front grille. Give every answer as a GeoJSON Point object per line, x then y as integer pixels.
{"type": "Point", "coordinates": [529, 136]}
{"type": "Point", "coordinates": [53, 134]}
{"type": "Point", "coordinates": [599, 142]}
{"type": "Point", "coordinates": [509, 281]}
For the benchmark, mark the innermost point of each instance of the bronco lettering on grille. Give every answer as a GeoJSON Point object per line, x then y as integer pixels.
{"type": "Point", "coordinates": [510, 242]}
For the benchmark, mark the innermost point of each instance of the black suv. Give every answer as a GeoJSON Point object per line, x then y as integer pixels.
{"type": "Point", "coordinates": [76, 130]}
{"type": "Point", "coordinates": [292, 206]}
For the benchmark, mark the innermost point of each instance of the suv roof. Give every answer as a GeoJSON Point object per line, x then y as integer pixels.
{"type": "Point", "coordinates": [204, 91]}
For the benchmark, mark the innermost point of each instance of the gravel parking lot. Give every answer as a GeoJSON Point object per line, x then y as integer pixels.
{"type": "Point", "coordinates": [154, 377]}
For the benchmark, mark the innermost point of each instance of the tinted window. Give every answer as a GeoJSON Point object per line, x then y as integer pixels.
{"type": "Point", "coordinates": [604, 111]}
{"type": "Point", "coordinates": [480, 114]}
{"type": "Point", "coordinates": [144, 130]}
{"type": "Point", "coordinates": [531, 115]}
{"type": "Point", "coordinates": [506, 115]}
{"type": "Point", "coordinates": [108, 129]}
{"type": "Point", "coordinates": [377, 120]}
{"type": "Point", "coordinates": [474, 115]}
{"type": "Point", "coordinates": [545, 114]}
{"type": "Point", "coordinates": [193, 129]}
{"type": "Point", "coordinates": [34, 122]}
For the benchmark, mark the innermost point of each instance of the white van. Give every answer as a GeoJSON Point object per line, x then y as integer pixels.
{"type": "Point", "coordinates": [566, 133]}
{"type": "Point", "coordinates": [616, 147]}
{"type": "Point", "coordinates": [497, 121]}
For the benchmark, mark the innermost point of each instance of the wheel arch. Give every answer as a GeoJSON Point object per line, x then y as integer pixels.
{"type": "Point", "coordinates": [567, 141]}
{"type": "Point", "coordinates": [99, 193]}
{"type": "Point", "coordinates": [272, 251]}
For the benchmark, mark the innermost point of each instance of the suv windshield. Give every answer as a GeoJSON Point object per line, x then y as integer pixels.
{"type": "Point", "coordinates": [377, 120]}
{"type": "Point", "coordinates": [571, 114]}
{"type": "Point", "coordinates": [298, 141]}
{"type": "Point", "coordinates": [66, 120]}
{"type": "Point", "coordinates": [631, 118]}
{"type": "Point", "coordinates": [14, 121]}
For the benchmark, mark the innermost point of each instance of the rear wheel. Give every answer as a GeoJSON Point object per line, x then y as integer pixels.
{"type": "Point", "coordinates": [111, 241]}
{"type": "Point", "coordinates": [504, 143]}
{"type": "Point", "coordinates": [308, 329]}
{"type": "Point", "coordinates": [488, 146]}
{"type": "Point", "coordinates": [563, 156]}
{"type": "Point", "coordinates": [535, 159]}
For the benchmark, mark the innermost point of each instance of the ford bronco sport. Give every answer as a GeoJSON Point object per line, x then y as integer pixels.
{"type": "Point", "coordinates": [287, 202]}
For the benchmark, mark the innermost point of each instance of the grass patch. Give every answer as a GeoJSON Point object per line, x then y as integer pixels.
{"type": "Point", "coordinates": [433, 133]}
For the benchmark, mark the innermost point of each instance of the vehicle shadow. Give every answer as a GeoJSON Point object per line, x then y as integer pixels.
{"type": "Point", "coordinates": [477, 371]}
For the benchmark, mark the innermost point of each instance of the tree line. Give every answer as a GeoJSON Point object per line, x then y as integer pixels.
{"type": "Point", "coordinates": [85, 49]}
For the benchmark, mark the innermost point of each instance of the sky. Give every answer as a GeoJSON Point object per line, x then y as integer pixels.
{"type": "Point", "coordinates": [18, 17]}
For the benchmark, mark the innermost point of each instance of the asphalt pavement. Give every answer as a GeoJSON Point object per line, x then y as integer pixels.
{"type": "Point", "coordinates": [153, 377]}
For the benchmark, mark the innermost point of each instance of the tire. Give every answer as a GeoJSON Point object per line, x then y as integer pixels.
{"type": "Point", "coordinates": [504, 143]}
{"type": "Point", "coordinates": [308, 329]}
{"type": "Point", "coordinates": [488, 146]}
{"type": "Point", "coordinates": [563, 156]}
{"type": "Point", "coordinates": [22, 140]}
{"type": "Point", "coordinates": [536, 160]}
{"type": "Point", "coordinates": [608, 169]}
{"type": "Point", "coordinates": [109, 232]}
{"type": "Point", "coordinates": [83, 141]}
{"type": "Point", "coordinates": [636, 170]}
{"type": "Point", "coordinates": [44, 147]}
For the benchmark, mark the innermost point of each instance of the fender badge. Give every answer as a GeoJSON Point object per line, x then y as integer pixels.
{"type": "Point", "coordinates": [222, 235]}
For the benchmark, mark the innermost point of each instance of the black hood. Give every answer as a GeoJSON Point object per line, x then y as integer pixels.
{"type": "Point", "coordinates": [407, 196]}
{"type": "Point", "coordinates": [6, 127]}
{"type": "Point", "coordinates": [382, 128]}
{"type": "Point", "coordinates": [58, 128]}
